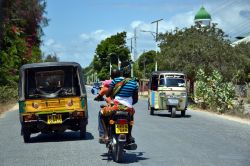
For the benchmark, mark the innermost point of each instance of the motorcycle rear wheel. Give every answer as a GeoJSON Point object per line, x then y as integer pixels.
{"type": "Point", "coordinates": [117, 151]}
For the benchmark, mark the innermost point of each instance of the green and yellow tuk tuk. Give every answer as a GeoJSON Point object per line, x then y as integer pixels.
{"type": "Point", "coordinates": [52, 98]}
{"type": "Point", "coordinates": [167, 91]}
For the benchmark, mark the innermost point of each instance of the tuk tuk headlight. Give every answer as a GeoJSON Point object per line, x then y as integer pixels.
{"type": "Point", "coordinates": [163, 95]}
{"type": "Point", "coordinates": [184, 94]}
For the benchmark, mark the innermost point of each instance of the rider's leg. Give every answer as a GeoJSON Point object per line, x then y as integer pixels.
{"type": "Point", "coordinates": [103, 131]}
{"type": "Point", "coordinates": [100, 126]}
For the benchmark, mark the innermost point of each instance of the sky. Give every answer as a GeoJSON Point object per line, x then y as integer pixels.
{"type": "Point", "coordinates": [76, 27]}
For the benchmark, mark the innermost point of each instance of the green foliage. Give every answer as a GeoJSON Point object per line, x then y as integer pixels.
{"type": "Point", "coordinates": [145, 64]}
{"type": "Point", "coordinates": [196, 48]}
{"type": "Point", "coordinates": [8, 94]}
{"type": "Point", "coordinates": [212, 92]}
{"type": "Point", "coordinates": [21, 29]}
{"type": "Point", "coordinates": [108, 51]}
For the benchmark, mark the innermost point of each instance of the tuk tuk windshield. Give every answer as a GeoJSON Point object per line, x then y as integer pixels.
{"type": "Point", "coordinates": [172, 82]}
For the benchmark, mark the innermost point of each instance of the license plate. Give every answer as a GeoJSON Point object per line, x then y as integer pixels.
{"type": "Point", "coordinates": [54, 119]}
{"type": "Point", "coordinates": [120, 129]}
{"type": "Point", "coordinates": [173, 101]}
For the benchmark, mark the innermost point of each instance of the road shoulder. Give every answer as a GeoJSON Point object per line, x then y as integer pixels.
{"type": "Point", "coordinates": [6, 108]}
{"type": "Point", "coordinates": [224, 116]}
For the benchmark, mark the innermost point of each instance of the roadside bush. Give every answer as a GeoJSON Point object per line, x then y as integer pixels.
{"type": "Point", "coordinates": [213, 93]}
{"type": "Point", "coordinates": [8, 94]}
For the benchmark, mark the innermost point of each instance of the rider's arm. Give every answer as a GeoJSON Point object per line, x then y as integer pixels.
{"type": "Point", "coordinates": [109, 92]}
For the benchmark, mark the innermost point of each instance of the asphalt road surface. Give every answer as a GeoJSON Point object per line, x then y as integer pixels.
{"type": "Point", "coordinates": [199, 139]}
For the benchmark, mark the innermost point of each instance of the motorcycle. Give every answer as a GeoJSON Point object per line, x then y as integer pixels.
{"type": "Point", "coordinates": [119, 130]}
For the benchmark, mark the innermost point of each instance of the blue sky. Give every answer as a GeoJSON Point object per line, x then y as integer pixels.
{"type": "Point", "coordinates": [77, 26]}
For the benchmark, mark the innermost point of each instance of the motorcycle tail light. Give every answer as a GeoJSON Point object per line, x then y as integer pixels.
{"type": "Point", "coordinates": [122, 121]}
{"type": "Point", "coordinates": [35, 105]}
{"type": "Point", "coordinates": [111, 122]}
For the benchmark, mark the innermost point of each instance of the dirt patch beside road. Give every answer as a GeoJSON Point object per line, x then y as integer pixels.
{"type": "Point", "coordinates": [7, 107]}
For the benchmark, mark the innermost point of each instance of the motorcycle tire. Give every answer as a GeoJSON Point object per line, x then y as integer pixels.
{"type": "Point", "coordinates": [117, 151]}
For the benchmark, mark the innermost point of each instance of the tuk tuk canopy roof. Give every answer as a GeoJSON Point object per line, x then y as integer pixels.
{"type": "Point", "coordinates": [48, 64]}
{"type": "Point", "coordinates": [166, 72]}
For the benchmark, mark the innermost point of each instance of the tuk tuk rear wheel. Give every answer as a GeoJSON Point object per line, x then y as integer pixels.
{"type": "Point", "coordinates": [26, 135]}
{"type": "Point", "coordinates": [183, 113]}
{"type": "Point", "coordinates": [82, 130]}
{"type": "Point", "coordinates": [152, 110]}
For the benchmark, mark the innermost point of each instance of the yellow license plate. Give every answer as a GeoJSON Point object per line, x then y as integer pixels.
{"type": "Point", "coordinates": [120, 129]}
{"type": "Point", "coordinates": [54, 119]}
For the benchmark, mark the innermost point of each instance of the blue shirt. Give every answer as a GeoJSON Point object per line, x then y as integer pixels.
{"type": "Point", "coordinates": [126, 90]}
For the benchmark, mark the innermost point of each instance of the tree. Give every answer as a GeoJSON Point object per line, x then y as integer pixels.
{"type": "Point", "coordinates": [51, 58]}
{"type": "Point", "coordinates": [146, 64]}
{"type": "Point", "coordinates": [194, 48]}
{"type": "Point", "coordinates": [243, 50]}
{"type": "Point", "coordinates": [21, 24]}
{"type": "Point", "coordinates": [108, 52]}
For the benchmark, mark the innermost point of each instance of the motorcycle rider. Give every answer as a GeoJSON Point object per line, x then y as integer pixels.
{"type": "Point", "coordinates": [124, 91]}
{"type": "Point", "coordinates": [103, 116]}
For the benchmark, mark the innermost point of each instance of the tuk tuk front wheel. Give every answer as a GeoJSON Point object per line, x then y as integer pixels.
{"type": "Point", "coordinates": [152, 110]}
{"type": "Point", "coordinates": [26, 135]}
{"type": "Point", "coordinates": [173, 112]}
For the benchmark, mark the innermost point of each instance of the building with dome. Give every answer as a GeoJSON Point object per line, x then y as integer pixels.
{"type": "Point", "coordinates": [202, 17]}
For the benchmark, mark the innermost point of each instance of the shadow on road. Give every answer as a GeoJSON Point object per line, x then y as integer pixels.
{"type": "Point", "coordinates": [59, 137]}
{"type": "Point", "coordinates": [169, 115]}
{"type": "Point", "coordinates": [132, 157]}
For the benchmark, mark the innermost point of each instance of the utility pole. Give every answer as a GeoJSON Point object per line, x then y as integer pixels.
{"type": "Point", "coordinates": [132, 57]}
{"type": "Point", "coordinates": [156, 32]}
{"type": "Point", "coordinates": [156, 39]}
{"type": "Point", "coordinates": [135, 45]}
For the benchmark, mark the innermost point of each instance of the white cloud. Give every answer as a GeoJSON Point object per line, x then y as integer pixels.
{"type": "Point", "coordinates": [49, 42]}
{"type": "Point", "coordinates": [97, 35]}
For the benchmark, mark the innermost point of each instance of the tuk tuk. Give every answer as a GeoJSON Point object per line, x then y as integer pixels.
{"type": "Point", "coordinates": [167, 91]}
{"type": "Point", "coordinates": [52, 98]}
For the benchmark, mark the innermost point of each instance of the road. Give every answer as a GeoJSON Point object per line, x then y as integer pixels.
{"type": "Point", "coordinates": [199, 139]}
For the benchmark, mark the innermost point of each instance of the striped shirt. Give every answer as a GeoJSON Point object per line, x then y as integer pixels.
{"type": "Point", "coordinates": [126, 90]}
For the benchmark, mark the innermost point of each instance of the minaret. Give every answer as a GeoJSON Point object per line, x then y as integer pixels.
{"type": "Point", "coordinates": [202, 17]}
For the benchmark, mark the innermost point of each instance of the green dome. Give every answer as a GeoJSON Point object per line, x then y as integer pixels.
{"type": "Point", "coordinates": [202, 14]}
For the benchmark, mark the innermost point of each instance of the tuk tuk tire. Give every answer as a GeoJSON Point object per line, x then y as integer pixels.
{"type": "Point", "coordinates": [26, 135]}
{"type": "Point", "coordinates": [173, 112]}
{"type": "Point", "coordinates": [183, 113]}
{"type": "Point", "coordinates": [82, 130]}
{"type": "Point", "coordinates": [151, 110]}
